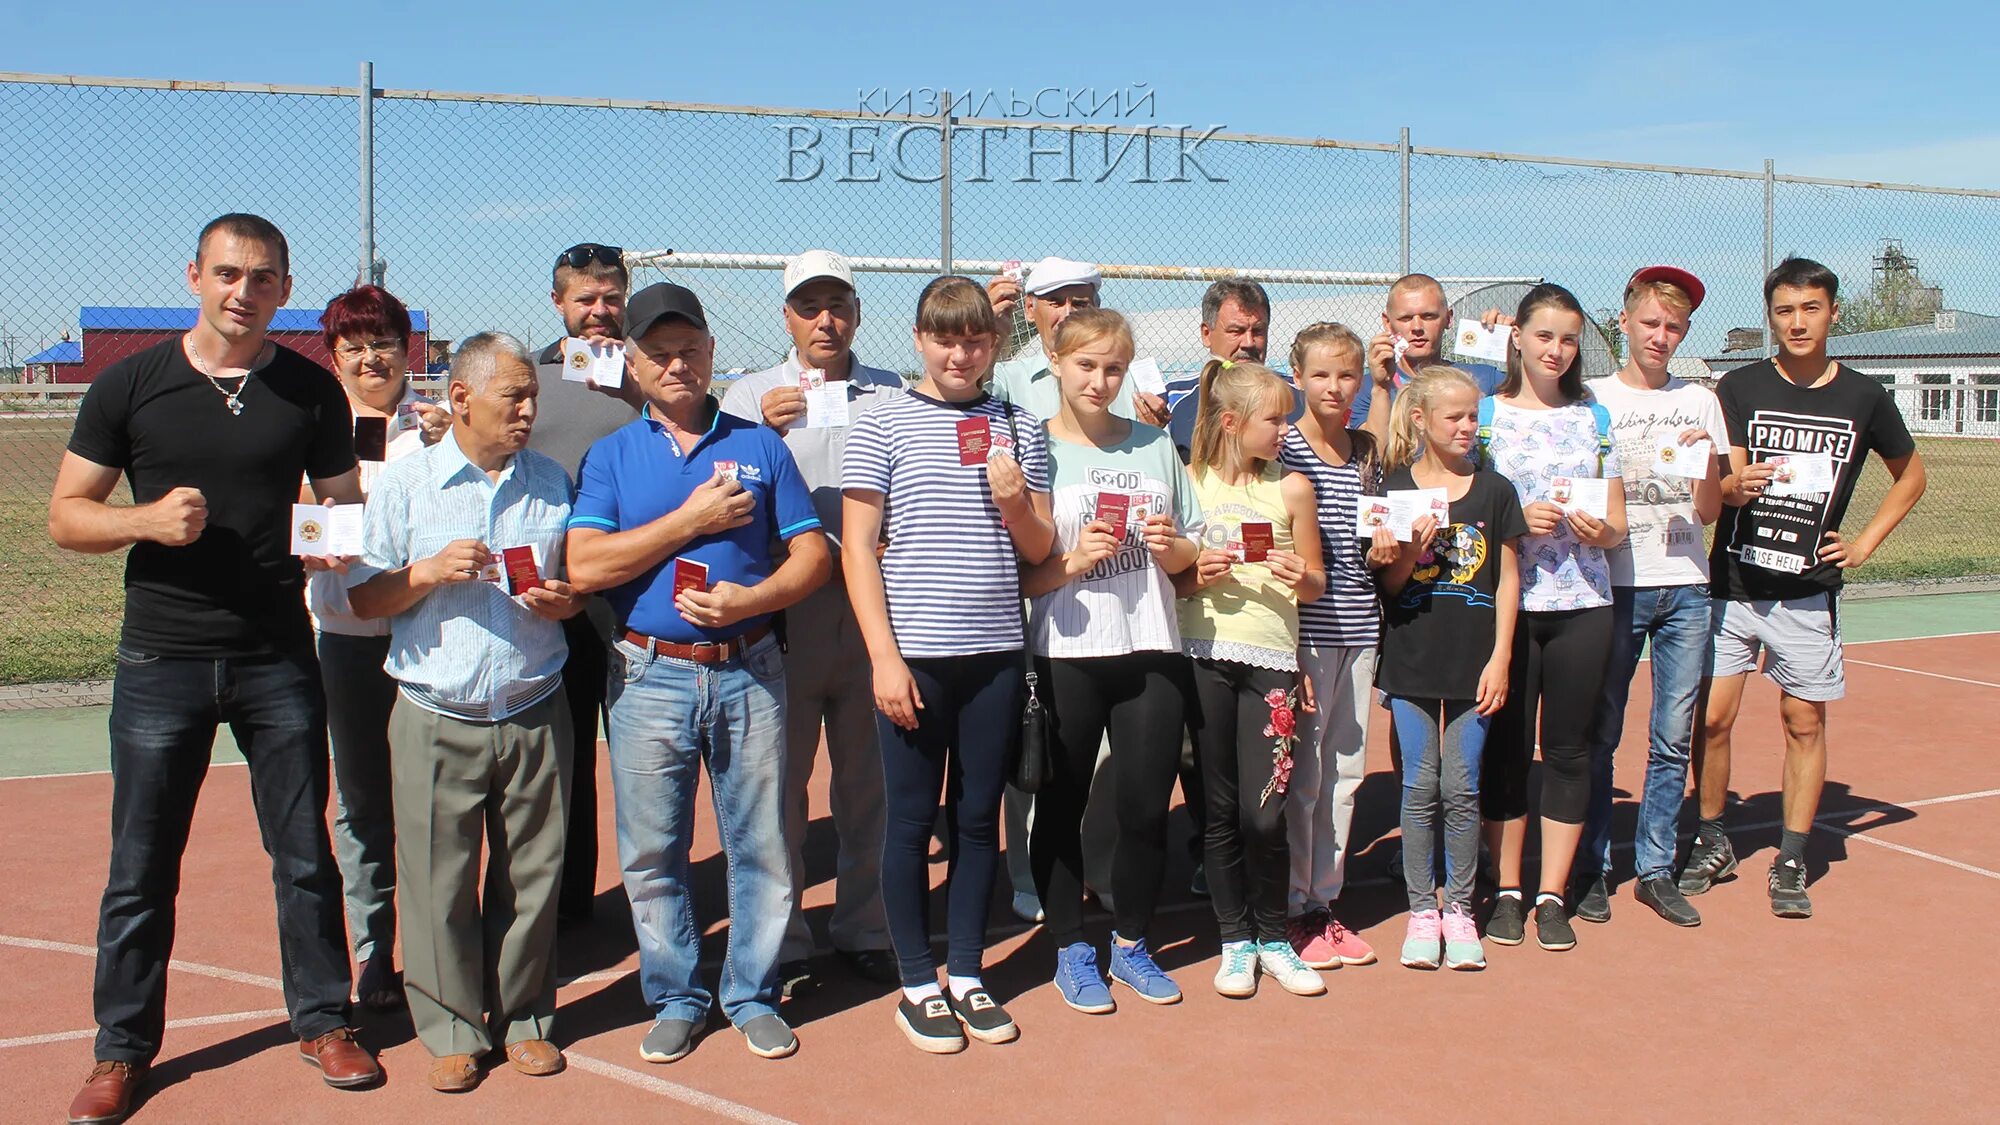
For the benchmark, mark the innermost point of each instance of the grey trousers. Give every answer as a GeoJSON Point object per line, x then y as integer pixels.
{"type": "Point", "coordinates": [469, 951]}
{"type": "Point", "coordinates": [828, 682]}
{"type": "Point", "coordinates": [1440, 796]}
{"type": "Point", "coordinates": [359, 695]}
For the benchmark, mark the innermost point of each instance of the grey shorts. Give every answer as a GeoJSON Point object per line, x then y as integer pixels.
{"type": "Point", "coordinates": [1799, 640]}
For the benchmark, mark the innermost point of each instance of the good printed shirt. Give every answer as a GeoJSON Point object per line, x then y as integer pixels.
{"type": "Point", "coordinates": [1768, 549]}
{"type": "Point", "coordinates": [1125, 603]}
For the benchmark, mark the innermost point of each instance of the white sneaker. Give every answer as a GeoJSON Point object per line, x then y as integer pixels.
{"type": "Point", "coordinates": [1281, 962]}
{"type": "Point", "coordinates": [1237, 978]}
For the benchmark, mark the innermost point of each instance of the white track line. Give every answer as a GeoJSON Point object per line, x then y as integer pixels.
{"type": "Point", "coordinates": [95, 773]}
{"type": "Point", "coordinates": [686, 1095]}
{"type": "Point", "coordinates": [1929, 637]}
{"type": "Point", "coordinates": [191, 1021]}
{"type": "Point", "coordinates": [196, 968]}
{"type": "Point", "coordinates": [1918, 852]}
{"type": "Point", "coordinates": [1921, 672]}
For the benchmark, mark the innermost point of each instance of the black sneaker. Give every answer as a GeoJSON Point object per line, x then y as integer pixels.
{"type": "Point", "coordinates": [1788, 889]}
{"type": "Point", "coordinates": [1507, 926]}
{"type": "Point", "coordinates": [795, 978]}
{"type": "Point", "coordinates": [1709, 862]}
{"type": "Point", "coordinates": [1660, 893]}
{"type": "Point", "coordinates": [876, 966]}
{"type": "Point", "coordinates": [930, 1026]}
{"type": "Point", "coordinates": [1552, 928]}
{"type": "Point", "coordinates": [1593, 898]}
{"type": "Point", "coordinates": [984, 1018]}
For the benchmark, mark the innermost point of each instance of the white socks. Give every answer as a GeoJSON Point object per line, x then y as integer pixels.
{"type": "Point", "coordinates": [962, 985]}
{"type": "Point", "coordinates": [917, 994]}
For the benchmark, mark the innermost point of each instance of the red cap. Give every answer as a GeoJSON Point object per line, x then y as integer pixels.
{"type": "Point", "coordinates": [1673, 275]}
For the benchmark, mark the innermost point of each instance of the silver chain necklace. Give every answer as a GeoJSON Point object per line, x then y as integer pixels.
{"type": "Point", "coordinates": [232, 399]}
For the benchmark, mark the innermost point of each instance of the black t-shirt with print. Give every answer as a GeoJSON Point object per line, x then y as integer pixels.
{"type": "Point", "coordinates": [1769, 549]}
{"type": "Point", "coordinates": [1438, 630]}
{"type": "Point", "coordinates": [236, 590]}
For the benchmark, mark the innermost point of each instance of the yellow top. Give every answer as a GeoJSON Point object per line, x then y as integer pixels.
{"type": "Point", "coordinates": [1250, 617]}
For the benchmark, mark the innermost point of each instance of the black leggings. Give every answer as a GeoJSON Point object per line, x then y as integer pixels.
{"type": "Point", "coordinates": [962, 749]}
{"type": "Point", "coordinates": [1249, 868]}
{"type": "Point", "coordinates": [1141, 697]}
{"type": "Point", "coordinates": [1558, 669]}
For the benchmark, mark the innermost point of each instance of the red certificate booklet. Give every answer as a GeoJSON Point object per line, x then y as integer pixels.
{"type": "Point", "coordinates": [975, 440]}
{"type": "Point", "coordinates": [1258, 541]}
{"type": "Point", "coordinates": [519, 565]}
{"type": "Point", "coordinates": [1112, 508]}
{"type": "Point", "coordinates": [690, 575]}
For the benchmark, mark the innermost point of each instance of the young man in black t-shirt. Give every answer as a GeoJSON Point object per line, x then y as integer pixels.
{"type": "Point", "coordinates": [1779, 557]}
{"type": "Point", "coordinates": [213, 430]}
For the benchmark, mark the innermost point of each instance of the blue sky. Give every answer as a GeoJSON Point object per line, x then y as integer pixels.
{"type": "Point", "coordinates": [1824, 88]}
{"type": "Point", "coordinates": [473, 201]}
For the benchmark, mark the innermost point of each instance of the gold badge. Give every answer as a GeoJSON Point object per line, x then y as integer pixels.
{"type": "Point", "coordinates": [309, 531]}
{"type": "Point", "coordinates": [579, 360]}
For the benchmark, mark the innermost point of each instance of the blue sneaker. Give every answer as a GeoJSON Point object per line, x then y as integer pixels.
{"type": "Point", "coordinates": [1133, 966]}
{"type": "Point", "coordinates": [1077, 980]}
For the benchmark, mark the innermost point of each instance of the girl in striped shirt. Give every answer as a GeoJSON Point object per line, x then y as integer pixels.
{"type": "Point", "coordinates": [1240, 623]}
{"type": "Point", "coordinates": [1337, 639]}
{"type": "Point", "coordinates": [1107, 647]}
{"type": "Point", "coordinates": [959, 482]}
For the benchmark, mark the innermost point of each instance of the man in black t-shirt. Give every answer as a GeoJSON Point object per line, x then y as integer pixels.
{"type": "Point", "coordinates": [214, 430]}
{"type": "Point", "coordinates": [1800, 431]}
{"type": "Point", "coordinates": [588, 287]}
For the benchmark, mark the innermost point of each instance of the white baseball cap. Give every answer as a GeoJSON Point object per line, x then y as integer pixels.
{"type": "Point", "coordinates": [815, 264]}
{"type": "Point", "coordinates": [1051, 274]}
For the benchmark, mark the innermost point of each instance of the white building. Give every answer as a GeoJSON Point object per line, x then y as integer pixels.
{"type": "Point", "coordinates": [1945, 375]}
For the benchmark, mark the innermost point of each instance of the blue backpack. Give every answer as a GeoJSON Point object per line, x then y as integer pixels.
{"type": "Point", "coordinates": [1598, 411]}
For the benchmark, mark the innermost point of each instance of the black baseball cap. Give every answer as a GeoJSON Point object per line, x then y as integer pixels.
{"type": "Point", "coordinates": [657, 302]}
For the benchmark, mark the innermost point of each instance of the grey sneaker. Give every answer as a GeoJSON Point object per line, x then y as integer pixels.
{"type": "Point", "coordinates": [1709, 862]}
{"type": "Point", "coordinates": [1593, 898]}
{"type": "Point", "coordinates": [768, 1037]}
{"type": "Point", "coordinates": [669, 1040]}
{"type": "Point", "coordinates": [1788, 889]}
{"type": "Point", "coordinates": [1660, 893]}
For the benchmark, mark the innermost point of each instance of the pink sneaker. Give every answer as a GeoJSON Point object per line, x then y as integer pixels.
{"type": "Point", "coordinates": [1461, 940]}
{"type": "Point", "coordinates": [1420, 944]}
{"type": "Point", "coordinates": [1347, 944]}
{"type": "Point", "coordinates": [1312, 939]}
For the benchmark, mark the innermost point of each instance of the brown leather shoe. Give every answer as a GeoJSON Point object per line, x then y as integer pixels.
{"type": "Point", "coordinates": [107, 1094]}
{"type": "Point", "coordinates": [454, 1074]}
{"type": "Point", "coordinates": [341, 1060]}
{"type": "Point", "coordinates": [538, 1057]}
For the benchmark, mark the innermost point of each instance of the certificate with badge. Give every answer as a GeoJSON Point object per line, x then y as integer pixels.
{"type": "Point", "coordinates": [1801, 474]}
{"type": "Point", "coordinates": [826, 399]}
{"type": "Point", "coordinates": [1471, 339]}
{"type": "Point", "coordinates": [1672, 459]}
{"type": "Point", "coordinates": [1589, 495]}
{"type": "Point", "coordinates": [324, 532]}
{"type": "Point", "coordinates": [585, 362]}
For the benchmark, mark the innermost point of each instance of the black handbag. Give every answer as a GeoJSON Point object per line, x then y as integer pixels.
{"type": "Point", "coordinates": [1031, 756]}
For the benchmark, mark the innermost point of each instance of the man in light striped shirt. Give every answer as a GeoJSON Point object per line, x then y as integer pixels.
{"type": "Point", "coordinates": [463, 552]}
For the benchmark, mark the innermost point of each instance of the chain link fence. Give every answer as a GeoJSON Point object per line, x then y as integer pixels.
{"type": "Point", "coordinates": [472, 195]}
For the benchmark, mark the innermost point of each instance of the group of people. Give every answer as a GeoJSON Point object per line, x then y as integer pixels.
{"type": "Point", "coordinates": [1168, 587]}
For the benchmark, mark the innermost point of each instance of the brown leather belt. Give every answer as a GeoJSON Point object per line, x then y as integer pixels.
{"type": "Point", "coordinates": [715, 652]}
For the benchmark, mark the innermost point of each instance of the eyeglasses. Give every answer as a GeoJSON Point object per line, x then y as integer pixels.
{"type": "Point", "coordinates": [373, 347]}
{"type": "Point", "coordinates": [584, 253]}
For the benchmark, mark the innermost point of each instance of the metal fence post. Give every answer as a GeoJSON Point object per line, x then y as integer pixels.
{"type": "Point", "coordinates": [1770, 242]}
{"type": "Point", "coordinates": [367, 165]}
{"type": "Point", "coordinates": [1403, 222]}
{"type": "Point", "coordinates": [944, 182]}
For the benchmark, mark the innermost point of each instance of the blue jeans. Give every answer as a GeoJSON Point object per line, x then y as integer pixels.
{"type": "Point", "coordinates": [1675, 618]}
{"type": "Point", "coordinates": [668, 718]}
{"type": "Point", "coordinates": [164, 713]}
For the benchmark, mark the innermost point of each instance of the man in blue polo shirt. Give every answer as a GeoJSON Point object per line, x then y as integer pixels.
{"type": "Point", "coordinates": [675, 519]}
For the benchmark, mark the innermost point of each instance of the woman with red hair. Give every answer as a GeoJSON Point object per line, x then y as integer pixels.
{"type": "Point", "coordinates": [367, 331]}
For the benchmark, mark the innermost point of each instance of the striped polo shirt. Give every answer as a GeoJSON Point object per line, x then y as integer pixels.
{"type": "Point", "coordinates": [950, 570]}
{"type": "Point", "coordinates": [1347, 614]}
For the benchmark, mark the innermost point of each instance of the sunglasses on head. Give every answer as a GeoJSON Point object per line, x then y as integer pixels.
{"type": "Point", "coordinates": [584, 253]}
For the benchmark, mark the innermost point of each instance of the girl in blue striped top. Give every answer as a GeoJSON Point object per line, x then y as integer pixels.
{"type": "Point", "coordinates": [959, 482]}
{"type": "Point", "coordinates": [1337, 641]}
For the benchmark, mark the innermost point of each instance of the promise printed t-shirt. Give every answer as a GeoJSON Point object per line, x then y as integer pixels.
{"type": "Point", "coordinates": [1768, 549]}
